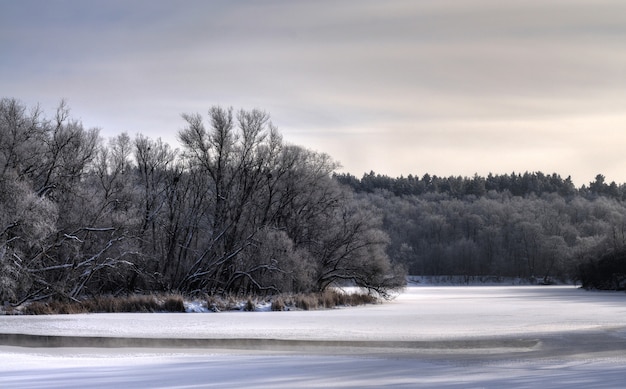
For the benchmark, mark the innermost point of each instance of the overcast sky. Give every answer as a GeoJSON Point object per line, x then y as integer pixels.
{"type": "Point", "coordinates": [446, 87]}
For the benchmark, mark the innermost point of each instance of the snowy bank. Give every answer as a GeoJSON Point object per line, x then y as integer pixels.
{"type": "Point", "coordinates": [449, 337]}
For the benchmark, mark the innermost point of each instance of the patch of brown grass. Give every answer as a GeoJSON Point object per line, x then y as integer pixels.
{"type": "Point", "coordinates": [249, 305]}
{"type": "Point", "coordinates": [278, 304]}
{"type": "Point", "coordinates": [305, 302]}
{"type": "Point", "coordinates": [174, 304]}
{"type": "Point", "coordinates": [108, 304]}
{"type": "Point", "coordinates": [328, 299]}
{"type": "Point", "coordinates": [53, 307]}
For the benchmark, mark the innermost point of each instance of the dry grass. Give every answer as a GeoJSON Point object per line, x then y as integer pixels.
{"type": "Point", "coordinates": [250, 305]}
{"type": "Point", "coordinates": [109, 304]}
{"type": "Point", "coordinates": [278, 304]}
{"type": "Point", "coordinates": [328, 299]}
{"type": "Point", "coordinates": [217, 303]}
{"type": "Point", "coordinates": [174, 304]}
{"type": "Point", "coordinates": [53, 307]}
{"type": "Point", "coordinates": [325, 300]}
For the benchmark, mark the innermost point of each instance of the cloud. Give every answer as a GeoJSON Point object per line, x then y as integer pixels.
{"type": "Point", "coordinates": [397, 87]}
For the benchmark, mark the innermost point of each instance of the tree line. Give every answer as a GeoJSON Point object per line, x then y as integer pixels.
{"type": "Point", "coordinates": [517, 184]}
{"type": "Point", "coordinates": [533, 226]}
{"type": "Point", "coordinates": [235, 210]}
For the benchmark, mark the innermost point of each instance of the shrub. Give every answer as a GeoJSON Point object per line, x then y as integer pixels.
{"type": "Point", "coordinates": [250, 305]}
{"type": "Point", "coordinates": [306, 301]}
{"type": "Point", "coordinates": [608, 272]}
{"type": "Point", "coordinates": [37, 308]}
{"type": "Point", "coordinates": [330, 298]}
{"type": "Point", "coordinates": [361, 299]}
{"type": "Point", "coordinates": [214, 304]}
{"type": "Point", "coordinates": [217, 303]}
{"type": "Point", "coordinates": [174, 304]}
{"type": "Point", "coordinates": [108, 304]}
{"type": "Point", "coordinates": [137, 303]}
{"type": "Point", "coordinates": [278, 304]}
{"type": "Point", "coordinates": [327, 299]}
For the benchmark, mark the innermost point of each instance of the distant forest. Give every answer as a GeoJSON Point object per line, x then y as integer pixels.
{"type": "Point", "coordinates": [533, 226]}
{"type": "Point", "coordinates": [238, 211]}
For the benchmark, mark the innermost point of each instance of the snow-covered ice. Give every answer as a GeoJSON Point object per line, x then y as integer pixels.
{"type": "Point", "coordinates": [444, 337]}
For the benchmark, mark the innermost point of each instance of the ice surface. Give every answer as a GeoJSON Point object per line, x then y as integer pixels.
{"type": "Point", "coordinates": [421, 313]}
{"type": "Point", "coordinates": [445, 337]}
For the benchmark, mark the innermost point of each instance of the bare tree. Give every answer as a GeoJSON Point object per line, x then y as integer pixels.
{"type": "Point", "coordinates": [257, 188]}
{"type": "Point", "coordinates": [237, 211]}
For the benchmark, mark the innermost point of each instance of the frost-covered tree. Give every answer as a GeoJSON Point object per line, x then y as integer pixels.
{"type": "Point", "coordinates": [237, 210]}
{"type": "Point", "coordinates": [256, 187]}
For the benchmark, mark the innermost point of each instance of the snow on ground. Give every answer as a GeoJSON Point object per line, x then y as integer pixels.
{"type": "Point", "coordinates": [444, 337]}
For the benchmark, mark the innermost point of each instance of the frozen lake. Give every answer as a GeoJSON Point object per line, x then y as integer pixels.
{"type": "Point", "coordinates": [445, 337]}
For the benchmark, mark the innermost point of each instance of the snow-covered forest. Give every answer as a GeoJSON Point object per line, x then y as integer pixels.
{"type": "Point", "coordinates": [532, 226]}
{"type": "Point", "coordinates": [236, 209]}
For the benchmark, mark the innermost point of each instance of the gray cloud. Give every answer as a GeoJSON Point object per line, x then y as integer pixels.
{"type": "Point", "coordinates": [398, 87]}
